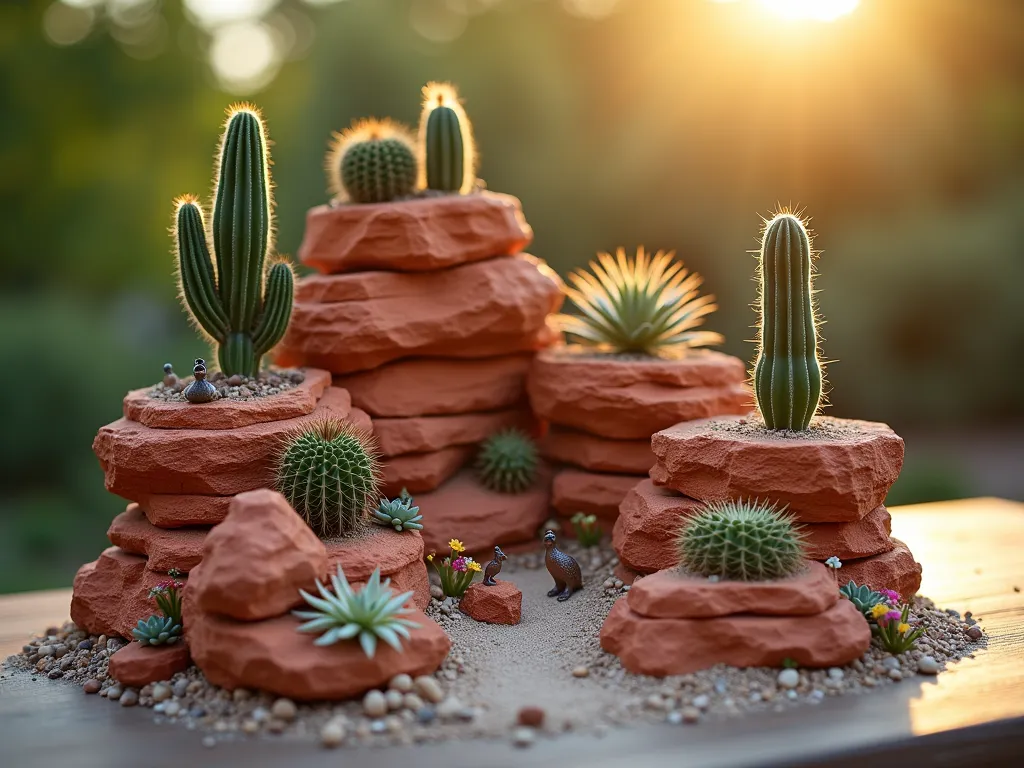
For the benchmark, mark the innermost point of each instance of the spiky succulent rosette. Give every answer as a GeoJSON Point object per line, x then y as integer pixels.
{"type": "Point", "coordinates": [157, 630]}
{"type": "Point", "coordinates": [371, 614]}
{"type": "Point", "coordinates": [400, 514]}
{"type": "Point", "coordinates": [507, 462]}
{"type": "Point", "coordinates": [649, 305]}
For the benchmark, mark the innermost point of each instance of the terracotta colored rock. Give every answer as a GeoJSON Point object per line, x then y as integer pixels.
{"type": "Point", "coordinates": [626, 575]}
{"type": "Point", "coordinates": [138, 665]}
{"type": "Point", "coordinates": [680, 646]}
{"type": "Point", "coordinates": [422, 472]}
{"type": "Point", "coordinates": [669, 594]}
{"type": "Point", "coordinates": [359, 321]}
{"type": "Point", "coordinates": [431, 387]}
{"type": "Point", "coordinates": [414, 235]}
{"type": "Point", "coordinates": [839, 474]}
{"type": "Point", "coordinates": [255, 562]}
{"type": "Point", "coordinates": [179, 510]}
{"type": "Point", "coordinates": [419, 434]}
{"type": "Point", "coordinates": [111, 593]}
{"type": "Point", "coordinates": [895, 570]}
{"type": "Point", "coordinates": [500, 604]}
{"type": "Point", "coordinates": [398, 555]}
{"type": "Point", "coordinates": [632, 399]}
{"type": "Point", "coordinates": [227, 414]}
{"type": "Point", "coordinates": [597, 454]}
{"type": "Point", "coordinates": [463, 509]}
{"type": "Point", "coordinates": [272, 656]}
{"type": "Point", "coordinates": [180, 548]}
{"type": "Point", "coordinates": [645, 531]}
{"type": "Point", "coordinates": [591, 493]}
{"type": "Point", "coordinates": [140, 461]}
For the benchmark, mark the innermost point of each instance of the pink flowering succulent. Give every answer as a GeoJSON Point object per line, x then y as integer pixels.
{"type": "Point", "coordinates": [455, 571]}
{"type": "Point", "coordinates": [168, 595]}
{"type": "Point", "coordinates": [891, 597]}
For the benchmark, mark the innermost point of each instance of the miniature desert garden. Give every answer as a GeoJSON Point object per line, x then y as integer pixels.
{"type": "Point", "coordinates": [407, 498]}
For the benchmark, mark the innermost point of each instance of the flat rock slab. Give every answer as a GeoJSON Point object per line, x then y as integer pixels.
{"type": "Point", "coordinates": [180, 548]}
{"type": "Point", "coordinates": [649, 517]}
{"type": "Point", "coordinates": [895, 569]}
{"type": "Point", "coordinates": [419, 434]}
{"type": "Point", "coordinates": [670, 594]}
{"type": "Point", "coordinates": [596, 454]}
{"type": "Point", "coordinates": [423, 472]}
{"type": "Point", "coordinates": [181, 510]}
{"type": "Point", "coordinates": [591, 493]}
{"type": "Point", "coordinates": [414, 235]}
{"type": "Point", "coordinates": [662, 647]}
{"type": "Point", "coordinates": [273, 656]}
{"type": "Point", "coordinates": [227, 414]}
{"type": "Point", "coordinates": [627, 399]}
{"type": "Point", "coordinates": [498, 604]}
{"type": "Point", "coordinates": [398, 555]}
{"type": "Point", "coordinates": [138, 665]}
{"type": "Point", "coordinates": [358, 321]}
{"type": "Point", "coordinates": [433, 386]}
{"type": "Point", "coordinates": [463, 509]}
{"type": "Point", "coordinates": [838, 472]}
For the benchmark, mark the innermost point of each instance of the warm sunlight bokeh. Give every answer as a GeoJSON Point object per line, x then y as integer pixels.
{"type": "Point", "coordinates": [820, 10]}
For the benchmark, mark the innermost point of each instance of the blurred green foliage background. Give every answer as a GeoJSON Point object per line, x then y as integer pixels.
{"type": "Point", "coordinates": [898, 128]}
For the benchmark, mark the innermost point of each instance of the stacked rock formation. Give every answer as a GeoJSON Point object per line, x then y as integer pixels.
{"type": "Point", "coordinates": [428, 313]}
{"type": "Point", "coordinates": [603, 411]}
{"type": "Point", "coordinates": [833, 480]}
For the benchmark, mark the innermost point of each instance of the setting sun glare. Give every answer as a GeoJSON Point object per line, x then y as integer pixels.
{"type": "Point", "coordinates": [819, 10]}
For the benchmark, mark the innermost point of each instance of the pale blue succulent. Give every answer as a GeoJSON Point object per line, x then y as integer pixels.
{"type": "Point", "coordinates": [399, 514]}
{"type": "Point", "coordinates": [157, 630]}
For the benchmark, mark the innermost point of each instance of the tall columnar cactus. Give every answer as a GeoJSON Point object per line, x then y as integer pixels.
{"type": "Point", "coordinates": [447, 151]}
{"type": "Point", "coordinates": [787, 375]}
{"type": "Point", "coordinates": [241, 306]}
{"type": "Point", "coordinates": [374, 161]}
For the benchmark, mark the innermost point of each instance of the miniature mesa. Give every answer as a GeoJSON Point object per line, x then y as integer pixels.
{"type": "Point", "coordinates": [410, 499]}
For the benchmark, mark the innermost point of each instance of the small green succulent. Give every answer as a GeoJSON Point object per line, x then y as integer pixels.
{"type": "Point", "coordinates": [862, 596]}
{"type": "Point", "coordinates": [399, 514]}
{"type": "Point", "coordinates": [507, 462]}
{"type": "Point", "coordinates": [648, 305]}
{"type": "Point", "coordinates": [588, 531]}
{"type": "Point", "coordinates": [157, 630]}
{"type": "Point", "coordinates": [372, 613]}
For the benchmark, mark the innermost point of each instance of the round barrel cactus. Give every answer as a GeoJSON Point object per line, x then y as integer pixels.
{"type": "Point", "coordinates": [374, 161]}
{"type": "Point", "coordinates": [507, 462]}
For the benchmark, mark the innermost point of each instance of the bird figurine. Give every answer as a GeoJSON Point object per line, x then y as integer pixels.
{"type": "Point", "coordinates": [493, 568]}
{"type": "Point", "coordinates": [200, 390]}
{"type": "Point", "coordinates": [171, 380]}
{"type": "Point", "coordinates": [563, 569]}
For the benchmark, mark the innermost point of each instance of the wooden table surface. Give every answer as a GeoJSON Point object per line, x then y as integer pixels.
{"type": "Point", "coordinates": [969, 716]}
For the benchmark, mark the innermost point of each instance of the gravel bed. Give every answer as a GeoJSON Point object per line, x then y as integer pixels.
{"type": "Point", "coordinates": [264, 384]}
{"type": "Point", "coordinates": [822, 428]}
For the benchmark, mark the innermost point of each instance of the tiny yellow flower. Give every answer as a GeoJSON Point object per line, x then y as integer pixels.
{"type": "Point", "coordinates": [456, 545]}
{"type": "Point", "coordinates": [879, 610]}
{"type": "Point", "coordinates": [430, 557]}
{"type": "Point", "coordinates": [473, 565]}
{"type": "Point", "coordinates": [903, 628]}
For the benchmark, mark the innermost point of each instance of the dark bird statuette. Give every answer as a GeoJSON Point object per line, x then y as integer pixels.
{"type": "Point", "coordinates": [200, 390]}
{"type": "Point", "coordinates": [171, 379]}
{"type": "Point", "coordinates": [493, 568]}
{"type": "Point", "coordinates": [563, 569]}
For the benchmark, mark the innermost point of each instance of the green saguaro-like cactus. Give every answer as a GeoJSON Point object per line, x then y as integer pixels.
{"type": "Point", "coordinates": [787, 374]}
{"type": "Point", "coordinates": [447, 150]}
{"type": "Point", "coordinates": [240, 305]}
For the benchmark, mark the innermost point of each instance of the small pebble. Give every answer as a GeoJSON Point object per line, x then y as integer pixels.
{"type": "Point", "coordinates": [927, 665]}
{"type": "Point", "coordinates": [523, 737]}
{"type": "Point", "coordinates": [974, 632]}
{"type": "Point", "coordinates": [412, 702]}
{"type": "Point", "coordinates": [171, 708]}
{"type": "Point", "coordinates": [284, 709]}
{"type": "Point", "coordinates": [378, 726]}
{"type": "Point", "coordinates": [675, 717]}
{"type": "Point", "coordinates": [92, 686]}
{"type": "Point", "coordinates": [332, 734]}
{"type": "Point", "coordinates": [180, 688]}
{"type": "Point", "coordinates": [114, 692]}
{"type": "Point", "coordinates": [250, 726]}
{"type": "Point", "coordinates": [655, 702]}
{"type": "Point", "coordinates": [449, 708]}
{"type": "Point", "coordinates": [394, 699]}
{"type": "Point", "coordinates": [374, 704]}
{"type": "Point", "coordinates": [701, 702]}
{"type": "Point", "coordinates": [580, 672]}
{"type": "Point", "coordinates": [436, 592]}
{"type": "Point", "coordinates": [891, 662]}
{"type": "Point", "coordinates": [532, 717]}
{"type": "Point", "coordinates": [129, 698]}
{"type": "Point", "coordinates": [426, 715]}
{"type": "Point", "coordinates": [209, 742]}
{"type": "Point", "coordinates": [401, 683]}
{"type": "Point", "coordinates": [241, 694]}
{"type": "Point", "coordinates": [895, 674]}
{"type": "Point", "coordinates": [160, 692]}
{"type": "Point", "coordinates": [691, 715]}
{"type": "Point", "coordinates": [835, 673]}
{"type": "Point", "coordinates": [45, 650]}
{"type": "Point", "coordinates": [429, 689]}
{"type": "Point", "coordinates": [788, 678]}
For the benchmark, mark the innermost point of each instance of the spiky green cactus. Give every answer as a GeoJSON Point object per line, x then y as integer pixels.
{"type": "Point", "coordinates": [400, 514]}
{"type": "Point", "coordinates": [507, 462]}
{"type": "Point", "coordinates": [328, 471]}
{"type": "Point", "coordinates": [157, 630]}
{"type": "Point", "coordinates": [374, 161]}
{"type": "Point", "coordinates": [239, 305]}
{"type": "Point", "coordinates": [746, 541]}
{"type": "Point", "coordinates": [446, 138]}
{"type": "Point", "coordinates": [787, 375]}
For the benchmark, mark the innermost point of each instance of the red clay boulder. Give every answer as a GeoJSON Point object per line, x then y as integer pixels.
{"type": "Point", "coordinates": [398, 555]}
{"type": "Point", "coordinates": [592, 493]}
{"type": "Point", "coordinates": [255, 562]}
{"type": "Point", "coordinates": [423, 472]}
{"type": "Point", "coordinates": [139, 665]}
{"type": "Point", "coordinates": [432, 387]}
{"type": "Point", "coordinates": [419, 434]}
{"type": "Point", "coordinates": [180, 510]}
{"type": "Point", "coordinates": [626, 399]}
{"type": "Point", "coordinates": [499, 604]}
{"type": "Point", "coordinates": [359, 321]}
{"type": "Point", "coordinates": [597, 454]}
{"type": "Point", "coordinates": [271, 655]}
{"type": "Point", "coordinates": [895, 569]}
{"type": "Point", "coordinates": [839, 471]}
{"type": "Point", "coordinates": [417, 235]}
{"type": "Point", "coordinates": [227, 414]}
{"type": "Point", "coordinates": [662, 647]}
{"type": "Point", "coordinates": [180, 548]}
{"type": "Point", "coordinates": [670, 594]}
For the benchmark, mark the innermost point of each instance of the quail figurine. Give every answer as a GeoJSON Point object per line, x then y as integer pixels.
{"type": "Point", "coordinates": [563, 569]}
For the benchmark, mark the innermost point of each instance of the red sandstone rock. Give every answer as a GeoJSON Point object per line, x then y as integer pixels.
{"type": "Point", "coordinates": [255, 562]}
{"type": "Point", "coordinates": [632, 399]}
{"type": "Point", "coordinates": [597, 454]}
{"type": "Point", "coordinates": [838, 474]}
{"type": "Point", "coordinates": [591, 493]}
{"type": "Point", "coordinates": [500, 604]}
{"type": "Point", "coordinates": [414, 235]}
{"type": "Point", "coordinates": [463, 509]}
{"type": "Point", "coordinates": [362, 320]}
{"type": "Point", "coordinates": [272, 656]}
{"type": "Point", "coordinates": [398, 555]}
{"type": "Point", "coordinates": [429, 387]}
{"type": "Point", "coordinates": [895, 570]}
{"type": "Point", "coordinates": [181, 548]}
{"type": "Point", "coordinates": [669, 594]}
{"type": "Point", "coordinates": [680, 646]}
{"type": "Point", "coordinates": [419, 434]}
{"type": "Point", "coordinates": [177, 511]}
{"type": "Point", "coordinates": [111, 593]}
{"type": "Point", "coordinates": [423, 472]}
{"type": "Point", "coordinates": [227, 414]}
{"type": "Point", "coordinates": [140, 461]}
{"type": "Point", "coordinates": [138, 665]}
